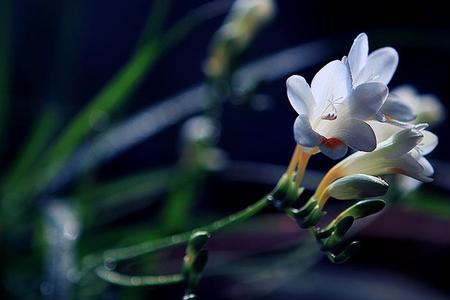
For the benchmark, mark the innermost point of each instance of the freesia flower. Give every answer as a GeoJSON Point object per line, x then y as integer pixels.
{"type": "Point", "coordinates": [378, 66]}
{"type": "Point", "coordinates": [401, 153]}
{"type": "Point", "coordinates": [331, 114]}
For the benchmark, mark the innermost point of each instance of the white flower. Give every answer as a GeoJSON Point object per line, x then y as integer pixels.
{"type": "Point", "coordinates": [378, 66]}
{"type": "Point", "coordinates": [401, 153]}
{"type": "Point", "coordinates": [331, 113]}
{"type": "Point", "coordinates": [426, 108]}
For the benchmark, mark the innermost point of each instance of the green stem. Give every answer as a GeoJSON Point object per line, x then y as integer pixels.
{"type": "Point", "coordinates": [93, 261]}
{"type": "Point", "coordinates": [177, 239]}
{"type": "Point", "coordinates": [126, 280]}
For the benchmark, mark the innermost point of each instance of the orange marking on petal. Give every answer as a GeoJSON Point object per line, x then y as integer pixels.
{"type": "Point", "coordinates": [331, 142]}
{"type": "Point", "coordinates": [396, 170]}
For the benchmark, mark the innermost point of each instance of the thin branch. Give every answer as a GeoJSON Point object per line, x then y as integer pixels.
{"type": "Point", "coordinates": [126, 280]}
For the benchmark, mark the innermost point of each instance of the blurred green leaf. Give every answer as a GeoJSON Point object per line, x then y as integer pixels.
{"type": "Point", "coordinates": [432, 203]}
{"type": "Point", "coordinates": [130, 187]}
{"type": "Point", "coordinates": [155, 21]}
{"type": "Point", "coordinates": [111, 200]}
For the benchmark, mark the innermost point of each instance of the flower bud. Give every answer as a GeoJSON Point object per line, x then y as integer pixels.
{"type": "Point", "coordinates": [359, 210]}
{"type": "Point", "coordinates": [194, 261]}
{"type": "Point", "coordinates": [197, 241]}
{"type": "Point", "coordinates": [357, 186]}
{"type": "Point", "coordinates": [200, 262]}
{"type": "Point", "coordinates": [245, 19]}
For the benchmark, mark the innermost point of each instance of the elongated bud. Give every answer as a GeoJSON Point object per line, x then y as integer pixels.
{"type": "Point", "coordinates": [357, 186]}
{"type": "Point", "coordinates": [194, 261]}
{"type": "Point", "coordinates": [200, 262]}
{"type": "Point", "coordinates": [351, 187]}
{"type": "Point", "coordinates": [360, 210]}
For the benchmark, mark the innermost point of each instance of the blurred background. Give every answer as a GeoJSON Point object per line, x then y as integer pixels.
{"type": "Point", "coordinates": [127, 121]}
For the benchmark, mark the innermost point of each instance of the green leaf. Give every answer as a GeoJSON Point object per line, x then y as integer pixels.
{"type": "Point", "coordinates": [423, 201]}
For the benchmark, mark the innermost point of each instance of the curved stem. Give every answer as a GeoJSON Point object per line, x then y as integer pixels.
{"type": "Point", "coordinates": [93, 261]}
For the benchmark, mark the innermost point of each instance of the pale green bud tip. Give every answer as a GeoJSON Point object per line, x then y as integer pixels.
{"type": "Point", "coordinates": [198, 240]}
{"type": "Point", "coordinates": [348, 252]}
{"type": "Point", "coordinates": [357, 186]}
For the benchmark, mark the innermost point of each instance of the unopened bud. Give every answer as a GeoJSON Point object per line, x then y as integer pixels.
{"type": "Point", "coordinates": [197, 241]}
{"type": "Point", "coordinates": [358, 210]}
{"type": "Point", "coordinates": [357, 186]}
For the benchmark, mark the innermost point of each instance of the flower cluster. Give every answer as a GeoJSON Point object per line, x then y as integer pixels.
{"type": "Point", "coordinates": [349, 105]}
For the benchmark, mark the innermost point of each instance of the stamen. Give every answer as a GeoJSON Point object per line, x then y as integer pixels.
{"type": "Point", "coordinates": [373, 76]}
{"type": "Point", "coordinates": [332, 103]}
{"type": "Point", "coordinates": [329, 117]}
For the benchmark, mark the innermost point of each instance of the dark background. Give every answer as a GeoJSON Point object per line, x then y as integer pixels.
{"type": "Point", "coordinates": [64, 51]}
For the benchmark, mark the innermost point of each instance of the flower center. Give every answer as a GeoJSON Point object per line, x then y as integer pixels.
{"type": "Point", "coordinates": [330, 111]}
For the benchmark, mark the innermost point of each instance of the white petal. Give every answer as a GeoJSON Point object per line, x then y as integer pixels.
{"type": "Point", "coordinates": [383, 131]}
{"type": "Point", "coordinates": [357, 134]}
{"type": "Point", "coordinates": [366, 100]}
{"type": "Point", "coordinates": [427, 167]}
{"type": "Point", "coordinates": [380, 67]}
{"type": "Point", "coordinates": [357, 56]}
{"type": "Point", "coordinates": [403, 142]}
{"type": "Point", "coordinates": [429, 142]}
{"type": "Point", "coordinates": [300, 95]}
{"type": "Point", "coordinates": [409, 166]}
{"type": "Point", "coordinates": [330, 83]}
{"type": "Point", "coordinates": [304, 134]}
{"type": "Point", "coordinates": [395, 108]}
